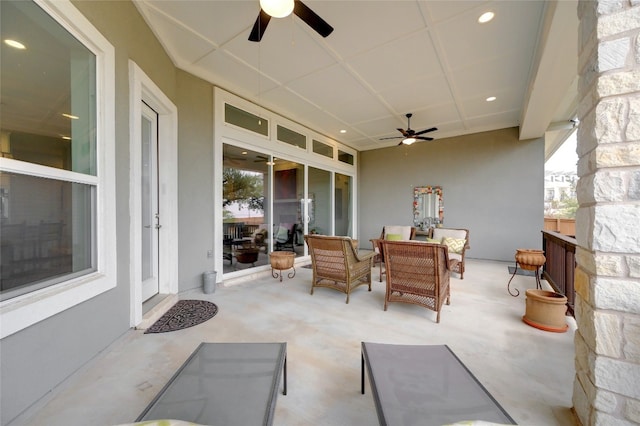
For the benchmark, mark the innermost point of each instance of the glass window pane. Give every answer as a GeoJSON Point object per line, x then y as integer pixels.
{"type": "Point", "coordinates": [291, 137]}
{"type": "Point", "coordinates": [319, 201]}
{"type": "Point", "coordinates": [47, 232]}
{"type": "Point", "coordinates": [288, 193]}
{"type": "Point", "coordinates": [246, 120]}
{"type": "Point", "coordinates": [322, 149]}
{"type": "Point", "coordinates": [48, 91]}
{"type": "Point", "coordinates": [342, 210]}
{"type": "Point", "coordinates": [245, 230]}
{"type": "Point", "coordinates": [345, 157]}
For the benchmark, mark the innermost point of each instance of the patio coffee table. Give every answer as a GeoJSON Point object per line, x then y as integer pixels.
{"type": "Point", "coordinates": [224, 384]}
{"type": "Point", "coordinates": [425, 385]}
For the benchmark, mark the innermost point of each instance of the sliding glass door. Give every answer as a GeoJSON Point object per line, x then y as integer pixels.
{"type": "Point", "coordinates": [245, 196]}
{"type": "Point", "coordinates": [343, 201]}
{"type": "Point", "coordinates": [319, 202]}
{"type": "Point", "coordinates": [288, 207]}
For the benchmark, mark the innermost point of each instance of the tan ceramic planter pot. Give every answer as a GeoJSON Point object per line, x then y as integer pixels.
{"type": "Point", "coordinates": [546, 310]}
{"type": "Point", "coordinates": [281, 260]}
{"type": "Point", "coordinates": [530, 259]}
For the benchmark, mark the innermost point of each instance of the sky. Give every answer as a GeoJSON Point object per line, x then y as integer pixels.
{"type": "Point", "coordinates": [565, 158]}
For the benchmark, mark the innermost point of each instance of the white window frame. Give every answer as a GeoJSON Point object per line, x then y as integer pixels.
{"type": "Point", "coordinates": [23, 311]}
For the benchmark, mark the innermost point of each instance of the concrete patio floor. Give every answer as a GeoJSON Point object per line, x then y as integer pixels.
{"type": "Point", "coordinates": [528, 371]}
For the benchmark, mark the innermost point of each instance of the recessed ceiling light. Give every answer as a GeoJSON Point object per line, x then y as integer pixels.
{"type": "Point", "coordinates": [491, 98]}
{"type": "Point", "coordinates": [15, 44]}
{"type": "Point", "coordinates": [343, 131]}
{"type": "Point", "coordinates": [66, 138]}
{"type": "Point", "coordinates": [73, 117]}
{"type": "Point", "coordinates": [244, 152]}
{"type": "Point", "coordinates": [486, 17]}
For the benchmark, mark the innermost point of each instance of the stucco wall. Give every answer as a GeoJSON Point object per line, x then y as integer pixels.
{"type": "Point", "coordinates": [37, 359]}
{"type": "Point", "coordinates": [195, 177]}
{"type": "Point", "coordinates": [493, 185]}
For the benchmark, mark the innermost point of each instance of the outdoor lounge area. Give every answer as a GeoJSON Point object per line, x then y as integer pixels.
{"type": "Point", "coordinates": [144, 143]}
{"type": "Point", "coordinates": [528, 371]}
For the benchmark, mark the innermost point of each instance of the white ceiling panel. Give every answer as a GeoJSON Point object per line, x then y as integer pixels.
{"type": "Point", "coordinates": [376, 65]}
{"type": "Point", "coordinates": [182, 44]}
{"type": "Point", "coordinates": [364, 25]}
{"type": "Point", "coordinates": [385, 58]}
{"type": "Point", "coordinates": [329, 86]}
{"type": "Point", "coordinates": [410, 96]}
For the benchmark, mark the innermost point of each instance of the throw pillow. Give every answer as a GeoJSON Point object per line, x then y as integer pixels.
{"type": "Point", "coordinates": [433, 240]}
{"type": "Point", "coordinates": [455, 245]}
{"type": "Point", "coordinates": [393, 237]}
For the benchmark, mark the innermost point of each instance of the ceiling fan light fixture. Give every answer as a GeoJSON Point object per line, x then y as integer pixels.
{"type": "Point", "coordinates": [277, 8]}
{"type": "Point", "coordinates": [409, 141]}
{"type": "Point", "coordinates": [486, 17]}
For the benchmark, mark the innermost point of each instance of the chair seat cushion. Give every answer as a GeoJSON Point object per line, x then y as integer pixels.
{"type": "Point", "coordinates": [455, 256]}
{"type": "Point", "coordinates": [393, 237]}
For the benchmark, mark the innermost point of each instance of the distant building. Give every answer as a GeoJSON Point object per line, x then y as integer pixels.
{"type": "Point", "coordinates": [558, 186]}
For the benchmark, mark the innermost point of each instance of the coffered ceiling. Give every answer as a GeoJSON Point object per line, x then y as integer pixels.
{"type": "Point", "coordinates": [385, 59]}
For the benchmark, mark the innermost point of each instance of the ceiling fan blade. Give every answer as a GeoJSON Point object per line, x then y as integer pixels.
{"type": "Point", "coordinates": [394, 137]}
{"type": "Point", "coordinates": [405, 133]}
{"type": "Point", "coordinates": [433, 129]}
{"type": "Point", "coordinates": [312, 19]}
{"type": "Point", "coordinates": [423, 138]}
{"type": "Point", "coordinates": [260, 26]}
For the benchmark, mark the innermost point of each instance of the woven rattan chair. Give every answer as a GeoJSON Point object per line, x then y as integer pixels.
{"type": "Point", "coordinates": [337, 264]}
{"type": "Point", "coordinates": [405, 232]}
{"type": "Point", "coordinates": [418, 273]}
{"type": "Point", "coordinates": [456, 259]}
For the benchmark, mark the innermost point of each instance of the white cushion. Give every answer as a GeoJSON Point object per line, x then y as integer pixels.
{"type": "Point", "coordinates": [455, 256]}
{"type": "Point", "coordinates": [403, 230]}
{"type": "Point", "coordinates": [440, 233]}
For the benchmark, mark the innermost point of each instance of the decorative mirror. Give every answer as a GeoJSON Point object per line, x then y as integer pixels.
{"type": "Point", "coordinates": [427, 206]}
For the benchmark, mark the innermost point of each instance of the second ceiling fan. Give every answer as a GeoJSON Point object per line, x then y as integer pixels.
{"type": "Point", "coordinates": [410, 136]}
{"type": "Point", "coordinates": [282, 8]}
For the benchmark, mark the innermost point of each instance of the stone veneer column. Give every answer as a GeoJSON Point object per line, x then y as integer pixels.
{"type": "Point", "coordinates": [607, 342]}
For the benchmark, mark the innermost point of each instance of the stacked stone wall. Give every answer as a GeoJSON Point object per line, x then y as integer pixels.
{"type": "Point", "coordinates": [607, 383]}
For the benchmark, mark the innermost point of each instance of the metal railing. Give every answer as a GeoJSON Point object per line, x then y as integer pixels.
{"type": "Point", "coordinates": [559, 269]}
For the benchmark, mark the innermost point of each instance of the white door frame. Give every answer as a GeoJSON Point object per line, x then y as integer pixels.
{"type": "Point", "coordinates": [142, 88]}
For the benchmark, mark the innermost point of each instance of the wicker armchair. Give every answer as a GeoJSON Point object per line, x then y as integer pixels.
{"type": "Point", "coordinates": [404, 232]}
{"type": "Point", "coordinates": [418, 273]}
{"type": "Point", "coordinates": [337, 264]}
{"type": "Point", "coordinates": [456, 253]}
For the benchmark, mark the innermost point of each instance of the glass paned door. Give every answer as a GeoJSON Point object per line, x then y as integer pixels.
{"type": "Point", "coordinates": [288, 197]}
{"type": "Point", "coordinates": [245, 230]}
{"type": "Point", "coordinates": [319, 202]}
{"type": "Point", "coordinates": [342, 203]}
{"type": "Point", "coordinates": [149, 203]}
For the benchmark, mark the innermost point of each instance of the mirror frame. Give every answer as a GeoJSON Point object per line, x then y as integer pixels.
{"type": "Point", "coordinates": [422, 190]}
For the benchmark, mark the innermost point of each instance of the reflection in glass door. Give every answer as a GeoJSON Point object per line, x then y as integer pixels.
{"type": "Point", "coordinates": [342, 210]}
{"type": "Point", "coordinates": [288, 208]}
{"type": "Point", "coordinates": [319, 202]}
{"type": "Point", "coordinates": [246, 235]}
